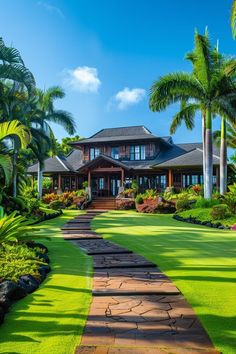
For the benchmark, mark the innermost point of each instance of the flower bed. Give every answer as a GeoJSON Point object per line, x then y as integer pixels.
{"type": "Point", "coordinates": [125, 203]}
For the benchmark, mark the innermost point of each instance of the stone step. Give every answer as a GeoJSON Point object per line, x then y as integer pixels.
{"type": "Point", "coordinates": [96, 247]}
{"type": "Point", "coordinates": [120, 261]}
{"type": "Point", "coordinates": [133, 281]}
{"type": "Point", "coordinates": [77, 227]}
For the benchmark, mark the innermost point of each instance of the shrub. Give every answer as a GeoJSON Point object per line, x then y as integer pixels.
{"type": "Point", "coordinates": [125, 204]}
{"type": "Point", "coordinates": [50, 197]}
{"type": "Point", "coordinates": [81, 193]}
{"type": "Point", "coordinates": [18, 260]}
{"type": "Point", "coordinates": [85, 184]}
{"type": "Point", "coordinates": [206, 203]}
{"type": "Point", "coordinates": [165, 208]}
{"type": "Point", "coordinates": [196, 189]}
{"type": "Point", "coordinates": [72, 207]}
{"type": "Point", "coordinates": [47, 182]}
{"type": "Point", "coordinates": [220, 212]}
{"type": "Point", "coordinates": [134, 185]}
{"type": "Point", "coordinates": [150, 194]}
{"type": "Point", "coordinates": [230, 200]}
{"type": "Point", "coordinates": [56, 205]}
{"type": "Point", "coordinates": [183, 203]}
{"type": "Point", "coordinates": [139, 199]}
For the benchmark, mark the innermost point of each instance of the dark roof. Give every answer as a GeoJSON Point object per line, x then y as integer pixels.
{"type": "Point", "coordinates": [189, 154]}
{"type": "Point", "coordinates": [106, 158]}
{"type": "Point", "coordinates": [121, 134]}
{"type": "Point", "coordinates": [60, 163]}
{"type": "Point", "coordinates": [75, 159]}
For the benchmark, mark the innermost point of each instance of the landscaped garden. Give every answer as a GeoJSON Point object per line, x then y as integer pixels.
{"type": "Point", "coordinates": [189, 232]}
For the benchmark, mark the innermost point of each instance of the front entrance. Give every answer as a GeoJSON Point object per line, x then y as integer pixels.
{"type": "Point", "coordinates": [105, 186]}
{"type": "Point", "coordinates": [115, 184]}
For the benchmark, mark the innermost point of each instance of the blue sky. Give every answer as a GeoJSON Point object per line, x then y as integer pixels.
{"type": "Point", "coordinates": [107, 53]}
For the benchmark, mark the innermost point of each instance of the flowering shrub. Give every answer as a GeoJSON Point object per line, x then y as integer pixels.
{"type": "Point", "coordinates": [197, 189]}
{"type": "Point", "coordinates": [125, 204]}
{"type": "Point", "coordinates": [50, 197]}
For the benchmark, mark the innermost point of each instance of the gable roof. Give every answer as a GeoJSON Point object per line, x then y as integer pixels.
{"type": "Point", "coordinates": [106, 158]}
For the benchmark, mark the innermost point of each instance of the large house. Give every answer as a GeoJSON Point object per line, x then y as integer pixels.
{"type": "Point", "coordinates": [113, 157]}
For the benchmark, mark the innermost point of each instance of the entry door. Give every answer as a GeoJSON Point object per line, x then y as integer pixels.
{"type": "Point", "coordinates": [115, 184]}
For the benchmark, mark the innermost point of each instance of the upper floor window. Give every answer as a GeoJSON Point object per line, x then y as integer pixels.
{"type": "Point", "coordinates": [115, 152]}
{"type": "Point", "coordinates": [137, 152]}
{"type": "Point", "coordinates": [93, 153]}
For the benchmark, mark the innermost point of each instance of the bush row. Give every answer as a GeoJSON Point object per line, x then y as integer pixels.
{"type": "Point", "coordinates": [193, 220]}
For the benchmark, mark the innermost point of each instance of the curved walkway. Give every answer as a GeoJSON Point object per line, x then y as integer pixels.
{"type": "Point", "coordinates": [135, 309]}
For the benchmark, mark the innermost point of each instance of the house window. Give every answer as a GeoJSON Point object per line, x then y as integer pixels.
{"type": "Point", "coordinates": [194, 179]}
{"type": "Point", "coordinates": [137, 152]}
{"type": "Point", "coordinates": [101, 183]}
{"type": "Point", "coordinates": [115, 152]}
{"type": "Point", "coordinates": [93, 153]}
{"type": "Point", "coordinates": [163, 182]}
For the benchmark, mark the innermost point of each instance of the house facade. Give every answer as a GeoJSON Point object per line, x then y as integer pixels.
{"type": "Point", "coordinates": [113, 157]}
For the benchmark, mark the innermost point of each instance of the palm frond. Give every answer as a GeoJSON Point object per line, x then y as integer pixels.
{"type": "Point", "coordinates": [9, 54]}
{"type": "Point", "coordinates": [16, 130]}
{"type": "Point", "coordinates": [186, 114]}
{"type": "Point", "coordinates": [173, 88]}
{"type": "Point", "coordinates": [63, 118]}
{"type": "Point", "coordinates": [7, 168]}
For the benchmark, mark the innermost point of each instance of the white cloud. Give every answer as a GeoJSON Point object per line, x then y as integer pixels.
{"type": "Point", "coordinates": [83, 79]}
{"type": "Point", "coordinates": [128, 97]}
{"type": "Point", "coordinates": [51, 8]}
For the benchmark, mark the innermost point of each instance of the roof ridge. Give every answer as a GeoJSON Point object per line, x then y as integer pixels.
{"type": "Point", "coordinates": [62, 163]}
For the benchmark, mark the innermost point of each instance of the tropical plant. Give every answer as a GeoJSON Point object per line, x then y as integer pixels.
{"type": "Point", "coordinates": [63, 148]}
{"type": "Point", "coordinates": [45, 114]}
{"type": "Point", "coordinates": [21, 135]}
{"type": "Point", "coordinates": [208, 89]}
{"type": "Point", "coordinates": [15, 228]}
{"type": "Point", "coordinates": [220, 212]}
{"type": "Point", "coordinates": [233, 19]}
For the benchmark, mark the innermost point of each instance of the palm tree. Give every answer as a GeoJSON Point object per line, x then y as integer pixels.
{"type": "Point", "coordinates": [226, 137]}
{"type": "Point", "coordinates": [207, 89]}
{"type": "Point", "coordinates": [40, 123]}
{"type": "Point", "coordinates": [12, 130]}
{"type": "Point", "coordinates": [233, 19]}
{"type": "Point", "coordinates": [14, 78]}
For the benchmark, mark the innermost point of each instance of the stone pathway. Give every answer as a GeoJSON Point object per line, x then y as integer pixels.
{"type": "Point", "coordinates": [135, 309]}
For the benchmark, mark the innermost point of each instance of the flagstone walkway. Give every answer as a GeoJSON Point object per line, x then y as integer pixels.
{"type": "Point", "coordinates": [136, 309]}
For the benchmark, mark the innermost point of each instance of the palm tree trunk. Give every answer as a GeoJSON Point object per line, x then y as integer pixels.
{"type": "Point", "coordinates": [40, 180]}
{"type": "Point", "coordinates": [208, 156]}
{"type": "Point", "coordinates": [223, 158]}
{"type": "Point", "coordinates": [14, 174]}
{"type": "Point", "coordinates": [204, 150]}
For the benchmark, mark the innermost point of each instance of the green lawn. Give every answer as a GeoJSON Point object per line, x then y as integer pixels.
{"type": "Point", "coordinates": [51, 319]}
{"type": "Point", "coordinates": [201, 262]}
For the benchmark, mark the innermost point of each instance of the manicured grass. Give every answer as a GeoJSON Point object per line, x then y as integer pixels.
{"type": "Point", "coordinates": [201, 262]}
{"type": "Point", "coordinates": [51, 319]}
{"type": "Point", "coordinates": [203, 214]}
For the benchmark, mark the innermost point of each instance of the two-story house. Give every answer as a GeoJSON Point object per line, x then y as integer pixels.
{"type": "Point", "coordinates": [113, 157]}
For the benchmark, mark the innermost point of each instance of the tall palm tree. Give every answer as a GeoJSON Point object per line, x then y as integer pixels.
{"type": "Point", "coordinates": [207, 89]}
{"type": "Point", "coordinates": [233, 19]}
{"type": "Point", "coordinates": [45, 114]}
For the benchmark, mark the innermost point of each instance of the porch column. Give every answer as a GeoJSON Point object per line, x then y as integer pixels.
{"type": "Point", "coordinates": [59, 183]}
{"type": "Point", "coordinates": [170, 178]}
{"type": "Point", "coordinates": [89, 179]}
{"type": "Point", "coordinates": [217, 178]}
{"type": "Point", "coordinates": [122, 177]}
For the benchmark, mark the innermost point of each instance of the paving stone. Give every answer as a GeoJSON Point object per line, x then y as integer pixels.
{"type": "Point", "coordinates": [136, 350]}
{"type": "Point", "coordinates": [101, 246]}
{"type": "Point", "coordinates": [81, 236]}
{"type": "Point", "coordinates": [76, 227]}
{"type": "Point", "coordinates": [120, 260]}
{"type": "Point", "coordinates": [134, 280]}
{"type": "Point", "coordinates": [142, 321]}
{"type": "Point", "coordinates": [78, 221]}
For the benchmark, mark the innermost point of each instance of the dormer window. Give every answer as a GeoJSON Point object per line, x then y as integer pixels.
{"type": "Point", "coordinates": [137, 152]}
{"type": "Point", "coordinates": [93, 153]}
{"type": "Point", "coordinates": [115, 152]}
